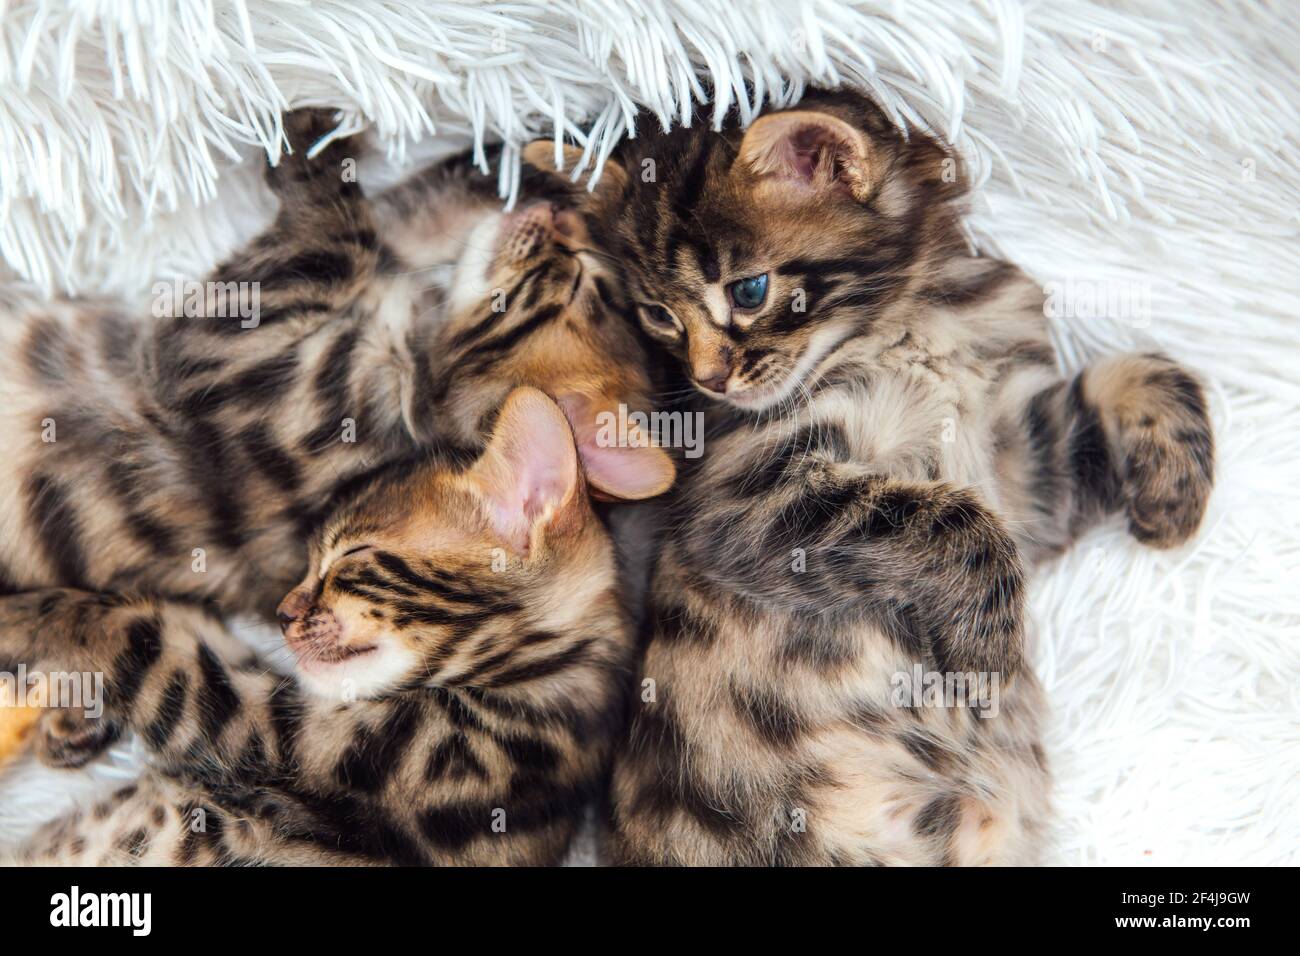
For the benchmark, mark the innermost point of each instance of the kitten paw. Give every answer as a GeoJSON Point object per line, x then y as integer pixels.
{"type": "Point", "coordinates": [969, 600]}
{"type": "Point", "coordinates": [68, 739]}
{"type": "Point", "coordinates": [1167, 445]}
{"type": "Point", "coordinates": [304, 128]}
{"type": "Point", "coordinates": [979, 616]}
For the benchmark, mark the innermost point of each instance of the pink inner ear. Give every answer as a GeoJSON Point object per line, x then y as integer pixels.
{"type": "Point", "coordinates": [811, 148]}
{"type": "Point", "coordinates": [541, 480]}
{"type": "Point", "coordinates": [534, 466]}
{"type": "Point", "coordinates": [804, 162]}
{"type": "Point", "coordinates": [516, 508]}
{"type": "Point", "coordinates": [803, 151]}
{"type": "Point", "coordinates": [631, 472]}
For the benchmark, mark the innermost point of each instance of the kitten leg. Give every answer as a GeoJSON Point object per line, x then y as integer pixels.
{"type": "Point", "coordinates": [1129, 434]}
{"type": "Point", "coordinates": [320, 252]}
{"type": "Point", "coordinates": [168, 671]}
{"type": "Point", "coordinates": [322, 246]}
{"type": "Point", "coordinates": [930, 559]}
{"type": "Point", "coordinates": [278, 776]}
{"type": "Point", "coordinates": [427, 219]}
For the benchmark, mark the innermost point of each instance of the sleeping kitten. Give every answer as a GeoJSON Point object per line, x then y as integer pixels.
{"type": "Point", "coordinates": [151, 440]}
{"type": "Point", "coordinates": [190, 456]}
{"type": "Point", "coordinates": [475, 613]}
{"type": "Point", "coordinates": [892, 445]}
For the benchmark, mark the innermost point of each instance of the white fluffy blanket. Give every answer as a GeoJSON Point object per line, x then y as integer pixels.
{"type": "Point", "coordinates": [1144, 166]}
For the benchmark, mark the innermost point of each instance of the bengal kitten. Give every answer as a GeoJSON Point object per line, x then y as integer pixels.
{"type": "Point", "coordinates": [893, 445]}
{"type": "Point", "coordinates": [475, 614]}
{"type": "Point", "coordinates": [189, 457]}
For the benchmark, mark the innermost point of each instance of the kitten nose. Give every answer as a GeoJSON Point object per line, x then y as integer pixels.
{"type": "Point", "coordinates": [567, 223]}
{"type": "Point", "coordinates": [716, 382]}
{"type": "Point", "coordinates": [292, 609]}
{"type": "Point", "coordinates": [714, 375]}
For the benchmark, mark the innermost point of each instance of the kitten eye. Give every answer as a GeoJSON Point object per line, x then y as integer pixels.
{"type": "Point", "coordinates": [659, 319]}
{"type": "Point", "coordinates": [329, 563]}
{"type": "Point", "coordinates": [749, 293]}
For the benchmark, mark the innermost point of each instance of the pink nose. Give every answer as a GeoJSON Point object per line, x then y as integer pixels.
{"type": "Point", "coordinates": [713, 372]}
{"type": "Point", "coordinates": [527, 232]}
{"type": "Point", "coordinates": [293, 609]}
{"type": "Point", "coordinates": [568, 224]}
{"type": "Point", "coordinates": [716, 383]}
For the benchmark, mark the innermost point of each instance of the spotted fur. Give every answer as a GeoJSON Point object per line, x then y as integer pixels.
{"type": "Point", "coordinates": [190, 456]}
{"type": "Point", "coordinates": [891, 447]}
{"type": "Point", "coordinates": [482, 747]}
{"type": "Point", "coordinates": [193, 432]}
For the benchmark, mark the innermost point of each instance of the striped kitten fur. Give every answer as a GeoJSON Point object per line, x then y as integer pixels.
{"type": "Point", "coordinates": [490, 689]}
{"type": "Point", "coordinates": [152, 439]}
{"type": "Point", "coordinates": [189, 457]}
{"type": "Point", "coordinates": [891, 447]}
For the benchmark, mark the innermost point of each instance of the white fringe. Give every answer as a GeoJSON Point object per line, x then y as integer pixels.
{"type": "Point", "coordinates": [1153, 152]}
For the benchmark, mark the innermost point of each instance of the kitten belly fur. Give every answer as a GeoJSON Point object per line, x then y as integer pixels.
{"type": "Point", "coordinates": [806, 759]}
{"type": "Point", "coordinates": [803, 726]}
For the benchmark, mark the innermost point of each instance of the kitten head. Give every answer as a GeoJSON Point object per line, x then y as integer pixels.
{"type": "Point", "coordinates": [436, 574]}
{"type": "Point", "coordinates": [533, 302]}
{"type": "Point", "coordinates": [753, 255]}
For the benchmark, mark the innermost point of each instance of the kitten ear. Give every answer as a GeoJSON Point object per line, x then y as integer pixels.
{"type": "Point", "coordinates": [542, 154]}
{"type": "Point", "coordinates": [616, 472]}
{"type": "Point", "coordinates": [627, 474]}
{"type": "Point", "coordinates": [817, 149]}
{"type": "Point", "coordinates": [529, 473]}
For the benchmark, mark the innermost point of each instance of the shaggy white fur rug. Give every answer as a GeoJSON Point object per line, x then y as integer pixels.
{"type": "Point", "coordinates": [1144, 166]}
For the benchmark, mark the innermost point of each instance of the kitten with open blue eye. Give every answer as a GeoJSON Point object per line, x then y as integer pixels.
{"type": "Point", "coordinates": [892, 446]}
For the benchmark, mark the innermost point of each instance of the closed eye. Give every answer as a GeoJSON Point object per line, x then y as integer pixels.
{"type": "Point", "coordinates": [659, 320]}
{"type": "Point", "coordinates": [577, 281]}
{"type": "Point", "coordinates": [330, 562]}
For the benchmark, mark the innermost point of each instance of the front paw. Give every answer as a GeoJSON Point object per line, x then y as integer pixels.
{"type": "Point", "coordinates": [976, 609]}
{"type": "Point", "coordinates": [303, 129]}
{"type": "Point", "coordinates": [68, 739]}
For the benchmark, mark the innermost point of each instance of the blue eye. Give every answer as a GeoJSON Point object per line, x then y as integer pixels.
{"type": "Point", "coordinates": [749, 293]}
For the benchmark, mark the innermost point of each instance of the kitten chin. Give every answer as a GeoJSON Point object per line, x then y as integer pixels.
{"type": "Point", "coordinates": [368, 673]}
